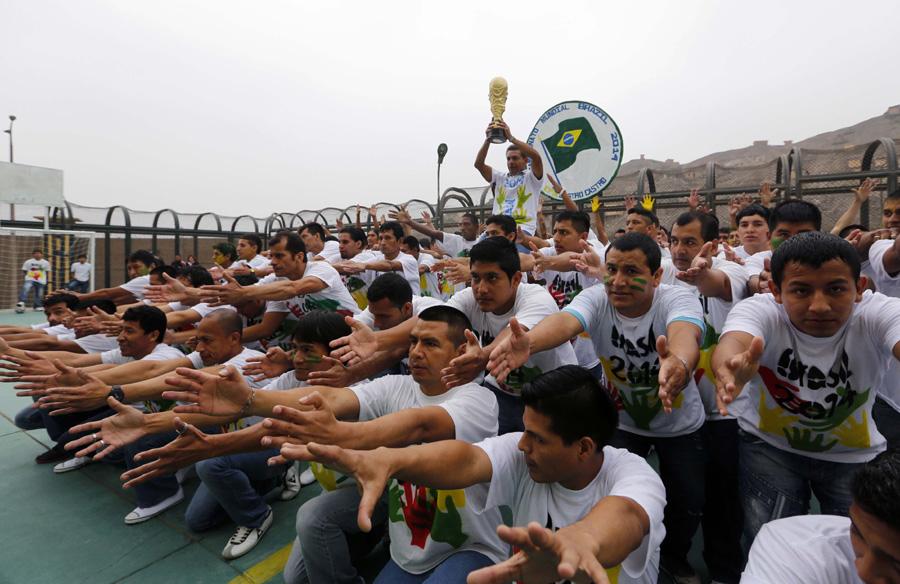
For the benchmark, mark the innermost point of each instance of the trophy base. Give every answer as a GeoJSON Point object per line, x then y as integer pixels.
{"type": "Point", "coordinates": [497, 136]}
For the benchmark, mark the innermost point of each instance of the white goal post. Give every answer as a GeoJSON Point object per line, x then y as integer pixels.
{"type": "Point", "coordinates": [61, 249]}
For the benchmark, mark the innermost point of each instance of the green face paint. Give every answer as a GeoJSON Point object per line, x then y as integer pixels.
{"type": "Point", "coordinates": [635, 287]}
{"type": "Point", "coordinates": [606, 281]}
{"type": "Point", "coordinates": [776, 241]}
{"type": "Point", "coordinates": [144, 271]}
{"type": "Point", "coordinates": [639, 281]}
{"type": "Point", "coordinates": [313, 359]}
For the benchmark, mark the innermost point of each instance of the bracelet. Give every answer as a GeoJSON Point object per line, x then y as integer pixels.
{"type": "Point", "coordinates": [687, 372]}
{"type": "Point", "coordinates": [253, 395]}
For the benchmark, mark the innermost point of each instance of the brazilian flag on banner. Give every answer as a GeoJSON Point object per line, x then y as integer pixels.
{"type": "Point", "coordinates": [574, 135]}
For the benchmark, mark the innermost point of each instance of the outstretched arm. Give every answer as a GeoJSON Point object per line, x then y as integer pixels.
{"type": "Point", "coordinates": [445, 465]}
{"type": "Point", "coordinates": [734, 363]}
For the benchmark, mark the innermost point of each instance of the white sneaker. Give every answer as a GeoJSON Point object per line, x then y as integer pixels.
{"type": "Point", "coordinates": [72, 464]}
{"type": "Point", "coordinates": [141, 514]}
{"type": "Point", "coordinates": [38, 309]}
{"type": "Point", "coordinates": [291, 483]}
{"type": "Point", "coordinates": [246, 538]}
{"type": "Point", "coordinates": [20, 307]}
{"type": "Point", "coordinates": [307, 478]}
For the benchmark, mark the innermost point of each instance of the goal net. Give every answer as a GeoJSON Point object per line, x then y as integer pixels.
{"type": "Point", "coordinates": [60, 248]}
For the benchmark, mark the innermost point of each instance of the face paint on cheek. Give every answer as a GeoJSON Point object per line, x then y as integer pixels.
{"type": "Point", "coordinates": [144, 271]}
{"type": "Point", "coordinates": [638, 281]}
{"type": "Point", "coordinates": [776, 241]}
{"type": "Point", "coordinates": [606, 281]}
{"type": "Point", "coordinates": [313, 359]}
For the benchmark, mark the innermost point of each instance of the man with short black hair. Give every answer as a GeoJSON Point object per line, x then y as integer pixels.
{"type": "Point", "coordinates": [647, 335]}
{"type": "Point", "coordinates": [317, 248]}
{"type": "Point", "coordinates": [35, 269]}
{"type": "Point", "coordinates": [390, 258]}
{"type": "Point", "coordinates": [811, 359]}
{"type": "Point", "coordinates": [821, 548]}
{"type": "Point", "coordinates": [81, 274]}
{"type": "Point", "coordinates": [558, 472]}
{"type": "Point", "coordinates": [517, 193]}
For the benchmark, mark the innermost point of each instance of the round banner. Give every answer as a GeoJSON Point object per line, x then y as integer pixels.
{"type": "Point", "coordinates": [581, 145]}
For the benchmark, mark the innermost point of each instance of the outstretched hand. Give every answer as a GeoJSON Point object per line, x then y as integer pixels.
{"type": "Point", "coordinates": [127, 426]}
{"type": "Point", "coordinates": [544, 556]}
{"type": "Point", "coordinates": [511, 353]}
{"type": "Point", "coordinates": [222, 394]}
{"type": "Point", "coordinates": [673, 374]}
{"type": "Point", "coordinates": [358, 345]}
{"type": "Point", "coordinates": [734, 374]}
{"type": "Point", "coordinates": [465, 368]}
{"type": "Point", "coordinates": [189, 447]}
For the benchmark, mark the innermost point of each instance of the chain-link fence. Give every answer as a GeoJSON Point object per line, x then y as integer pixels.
{"type": "Point", "coordinates": [823, 177]}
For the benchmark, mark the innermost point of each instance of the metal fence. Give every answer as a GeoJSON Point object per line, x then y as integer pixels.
{"type": "Point", "coordinates": [823, 177]}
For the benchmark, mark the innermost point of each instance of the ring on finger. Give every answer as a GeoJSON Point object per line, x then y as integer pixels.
{"type": "Point", "coordinates": [102, 443]}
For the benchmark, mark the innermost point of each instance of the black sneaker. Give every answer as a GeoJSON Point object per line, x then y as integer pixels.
{"type": "Point", "coordinates": [55, 454]}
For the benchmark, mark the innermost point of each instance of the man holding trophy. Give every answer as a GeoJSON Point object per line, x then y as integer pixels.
{"type": "Point", "coordinates": [517, 193]}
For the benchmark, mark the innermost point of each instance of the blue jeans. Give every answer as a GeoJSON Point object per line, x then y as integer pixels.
{"type": "Point", "coordinates": [79, 286]}
{"type": "Point", "coordinates": [723, 516]}
{"type": "Point", "coordinates": [327, 533]}
{"type": "Point", "coordinates": [29, 419]}
{"type": "Point", "coordinates": [776, 483]}
{"type": "Point", "coordinates": [887, 420]}
{"type": "Point", "coordinates": [233, 487]}
{"type": "Point", "coordinates": [38, 292]}
{"type": "Point", "coordinates": [453, 570]}
{"type": "Point", "coordinates": [511, 411]}
{"type": "Point", "coordinates": [682, 468]}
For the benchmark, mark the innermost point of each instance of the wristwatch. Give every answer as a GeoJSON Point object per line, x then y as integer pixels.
{"type": "Point", "coordinates": [117, 392]}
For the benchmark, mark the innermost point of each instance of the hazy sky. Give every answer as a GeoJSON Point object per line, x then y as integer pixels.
{"type": "Point", "coordinates": [255, 107]}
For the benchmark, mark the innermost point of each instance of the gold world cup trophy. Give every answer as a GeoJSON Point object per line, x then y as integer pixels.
{"type": "Point", "coordinates": [497, 97]}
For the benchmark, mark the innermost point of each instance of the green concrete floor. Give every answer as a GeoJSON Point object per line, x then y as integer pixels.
{"type": "Point", "coordinates": [70, 527]}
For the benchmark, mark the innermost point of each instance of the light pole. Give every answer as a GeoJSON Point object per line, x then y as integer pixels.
{"type": "Point", "coordinates": [442, 151]}
{"type": "Point", "coordinates": [9, 131]}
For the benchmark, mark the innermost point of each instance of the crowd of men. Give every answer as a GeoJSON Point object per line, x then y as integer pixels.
{"type": "Point", "coordinates": [429, 378]}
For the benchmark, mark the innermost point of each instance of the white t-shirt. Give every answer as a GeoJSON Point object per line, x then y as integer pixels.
{"type": "Point", "coordinates": [564, 287]}
{"type": "Point", "coordinates": [36, 270]}
{"type": "Point", "coordinates": [161, 352]}
{"type": "Point", "coordinates": [428, 282]}
{"type": "Point", "coordinates": [358, 284]}
{"type": "Point", "coordinates": [457, 247]}
{"type": "Point", "coordinates": [331, 253]}
{"type": "Point", "coordinates": [884, 282]}
{"type": "Point", "coordinates": [449, 523]}
{"type": "Point", "coordinates": [814, 395]}
{"type": "Point", "coordinates": [82, 271]}
{"type": "Point", "coordinates": [98, 343]}
{"type": "Point", "coordinates": [622, 475]}
{"type": "Point", "coordinates": [256, 263]}
{"type": "Point", "coordinates": [333, 297]}
{"type": "Point", "coordinates": [518, 196]}
{"type": "Point", "coordinates": [627, 349]}
{"type": "Point", "coordinates": [532, 304]}
{"type": "Point", "coordinates": [806, 548]}
{"type": "Point", "coordinates": [741, 252]}
{"type": "Point", "coordinates": [715, 311]}
{"type": "Point", "coordinates": [755, 263]}
{"type": "Point", "coordinates": [136, 287]}
{"type": "Point", "coordinates": [410, 269]}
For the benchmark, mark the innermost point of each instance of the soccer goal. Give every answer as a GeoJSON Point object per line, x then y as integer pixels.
{"type": "Point", "coordinates": [60, 248]}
